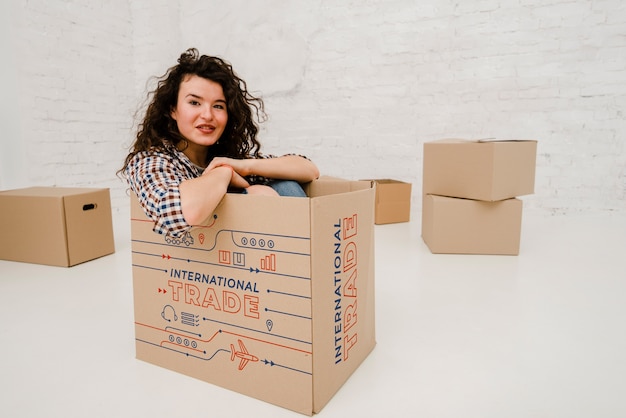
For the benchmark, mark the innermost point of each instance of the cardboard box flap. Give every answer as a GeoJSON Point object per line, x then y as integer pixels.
{"type": "Point", "coordinates": [384, 181]}
{"type": "Point", "coordinates": [330, 185]}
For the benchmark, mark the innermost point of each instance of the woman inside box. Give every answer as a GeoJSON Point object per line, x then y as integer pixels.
{"type": "Point", "coordinates": [198, 141]}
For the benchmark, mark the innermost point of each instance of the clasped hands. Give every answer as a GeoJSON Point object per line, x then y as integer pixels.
{"type": "Point", "coordinates": [239, 170]}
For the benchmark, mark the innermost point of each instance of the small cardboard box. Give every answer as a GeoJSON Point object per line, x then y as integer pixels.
{"type": "Point", "coordinates": [55, 225]}
{"type": "Point", "coordinates": [393, 201]}
{"type": "Point", "coordinates": [487, 170]}
{"type": "Point", "coordinates": [273, 297]}
{"type": "Point", "coordinates": [463, 226]}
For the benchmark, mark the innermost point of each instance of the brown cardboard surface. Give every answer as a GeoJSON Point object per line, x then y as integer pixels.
{"type": "Point", "coordinates": [56, 226]}
{"type": "Point", "coordinates": [263, 299]}
{"type": "Point", "coordinates": [464, 226]}
{"type": "Point", "coordinates": [479, 170]}
{"type": "Point", "coordinates": [393, 201]}
{"type": "Point", "coordinates": [345, 254]}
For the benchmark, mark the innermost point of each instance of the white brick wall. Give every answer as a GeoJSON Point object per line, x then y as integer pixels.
{"type": "Point", "coordinates": [357, 86]}
{"type": "Point", "coordinates": [75, 89]}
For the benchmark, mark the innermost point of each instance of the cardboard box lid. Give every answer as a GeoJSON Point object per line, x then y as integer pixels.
{"type": "Point", "coordinates": [391, 189]}
{"type": "Point", "coordinates": [54, 192]}
{"type": "Point", "coordinates": [478, 140]}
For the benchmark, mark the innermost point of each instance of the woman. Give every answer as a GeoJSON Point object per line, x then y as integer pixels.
{"type": "Point", "coordinates": [198, 140]}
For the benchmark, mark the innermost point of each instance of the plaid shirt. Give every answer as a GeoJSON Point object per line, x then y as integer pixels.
{"type": "Point", "coordinates": [155, 175]}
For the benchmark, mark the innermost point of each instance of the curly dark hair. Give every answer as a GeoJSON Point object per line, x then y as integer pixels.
{"type": "Point", "coordinates": [239, 139]}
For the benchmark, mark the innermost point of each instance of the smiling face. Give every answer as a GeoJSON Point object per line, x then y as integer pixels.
{"type": "Point", "coordinates": [201, 115]}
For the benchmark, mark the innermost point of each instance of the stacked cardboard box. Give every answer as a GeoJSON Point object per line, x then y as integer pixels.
{"type": "Point", "coordinates": [272, 297]}
{"type": "Point", "coordinates": [469, 194]}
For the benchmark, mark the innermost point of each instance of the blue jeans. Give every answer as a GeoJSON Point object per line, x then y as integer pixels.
{"type": "Point", "coordinates": [288, 188]}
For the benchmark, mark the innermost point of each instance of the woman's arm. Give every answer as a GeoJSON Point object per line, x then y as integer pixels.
{"type": "Point", "coordinates": [172, 196]}
{"type": "Point", "coordinates": [288, 167]}
{"type": "Point", "coordinates": [201, 195]}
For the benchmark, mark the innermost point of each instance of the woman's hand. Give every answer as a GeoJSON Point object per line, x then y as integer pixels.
{"type": "Point", "coordinates": [238, 182]}
{"type": "Point", "coordinates": [240, 167]}
{"type": "Point", "coordinates": [287, 167]}
{"type": "Point", "coordinates": [236, 167]}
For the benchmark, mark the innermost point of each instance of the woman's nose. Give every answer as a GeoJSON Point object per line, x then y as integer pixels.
{"type": "Point", "coordinates": [207, 112]}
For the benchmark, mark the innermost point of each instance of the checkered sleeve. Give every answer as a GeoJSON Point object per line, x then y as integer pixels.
{"type": "Point", "coordinates": [155, 179]}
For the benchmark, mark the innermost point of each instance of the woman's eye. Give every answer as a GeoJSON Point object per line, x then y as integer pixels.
{"type": "Point", "coordinates": [194, 102]}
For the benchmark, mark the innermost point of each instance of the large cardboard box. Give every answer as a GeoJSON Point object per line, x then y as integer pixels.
{"type": "Point", "coordinates": [487, 170]}
{"type": "Point", "coordinates": [393, 201]}
{"type": "Point", "coordinates": [463, 226]}
{"type": "Point", "coordinates": [57, 226]}
{"type": "Point", "coordinates": [273, 298]}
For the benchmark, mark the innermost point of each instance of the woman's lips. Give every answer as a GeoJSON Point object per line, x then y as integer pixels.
{"type": "Point", "coordinates": [206, 128]}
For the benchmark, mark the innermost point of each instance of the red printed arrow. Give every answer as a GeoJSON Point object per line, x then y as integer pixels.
{"type": "Point", "coordinates": [166, 256]}
{"type": "Point", "coordinates": [162, 291]}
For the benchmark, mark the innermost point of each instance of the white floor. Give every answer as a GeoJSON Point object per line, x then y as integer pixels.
{"type": "Point", "coordinates": [542, 334]}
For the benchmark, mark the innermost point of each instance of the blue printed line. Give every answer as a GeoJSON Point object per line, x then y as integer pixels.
{"type": "Point", "coordinates": [288, 294]}
{"type": "Point", "coordinates": [287, 313]}
{"type": "Point", "coordinates": [183, 331]}
{"type": "Point", "coordinates": [272, 364]}
{"type": "Point", "coordinates": [255, 330]}
{"type": "Point", "coordinates": [149, 267]}
{"type": "Point", "coordinates": [148, 254]}
{"type": "Point", "coordinates": [290, 276]}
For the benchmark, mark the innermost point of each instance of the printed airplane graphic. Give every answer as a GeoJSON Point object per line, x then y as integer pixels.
{"type": "Point", "coordinates": [242, 354]}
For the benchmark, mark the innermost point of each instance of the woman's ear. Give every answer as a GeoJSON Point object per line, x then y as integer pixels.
{"type": "Point", "coordinates": [173, 112]}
